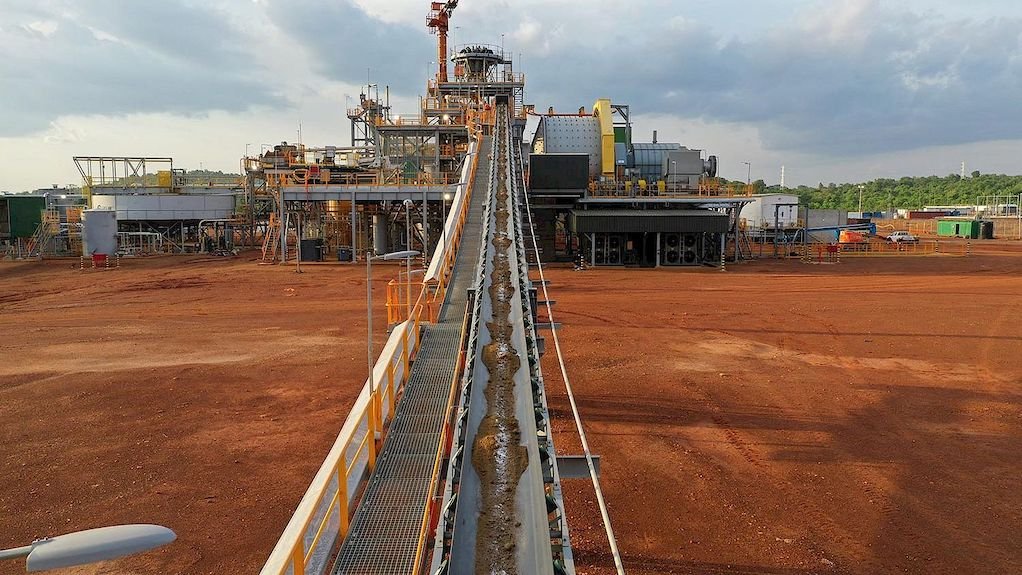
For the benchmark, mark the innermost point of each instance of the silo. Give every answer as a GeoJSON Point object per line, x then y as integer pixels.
{"type": "Point", "coordinates": [99, 232]}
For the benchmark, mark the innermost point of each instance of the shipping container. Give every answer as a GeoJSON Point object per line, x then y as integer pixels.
{"type": "Point", "coordinates": [23, 215]}
{"type": "Point", "coordinates": [954, 228]}
{"type": "Point", "coordinates": [923, 215]}
{"type": "Point", "coordinates": [766, 210]}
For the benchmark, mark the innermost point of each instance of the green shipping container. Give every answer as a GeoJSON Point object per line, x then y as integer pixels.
{"type": "Point", "coordinates": [25, 214]}
{"type": "Point", "coordinates": [958, 229]}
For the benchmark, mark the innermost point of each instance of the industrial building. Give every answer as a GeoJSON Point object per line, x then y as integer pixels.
{"type": "Point", "coordinates": [615, 202]}
{"type": "Point", "coordinates": [457, 186]}
{"type": "Point", "coordinates": [159, 208]}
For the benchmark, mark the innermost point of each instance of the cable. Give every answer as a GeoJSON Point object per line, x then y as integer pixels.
{"type": "Point", "coordinates": [571, 396]}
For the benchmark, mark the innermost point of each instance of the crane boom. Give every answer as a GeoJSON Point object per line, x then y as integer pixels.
{"type": "Point", "coordinates": [439, 21]}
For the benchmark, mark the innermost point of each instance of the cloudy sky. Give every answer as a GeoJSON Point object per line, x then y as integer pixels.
{"type": "Point", "coordinates": [835, 90]}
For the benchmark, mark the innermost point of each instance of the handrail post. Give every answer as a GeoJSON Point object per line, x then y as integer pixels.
{"type": "Point", "coordinates": [342, 496]}
{"type": "Point", "coordinates": [298, 558]}
{"type": "Point", "coordinates": [404, 353]}
{"type": "Point", "coordinates": [371, 425]}
{"type": "Point", "coordinates": [390, 388]}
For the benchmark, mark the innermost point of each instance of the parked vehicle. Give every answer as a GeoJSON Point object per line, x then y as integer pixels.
{"type": "Point", "coordinates": [901, 237]}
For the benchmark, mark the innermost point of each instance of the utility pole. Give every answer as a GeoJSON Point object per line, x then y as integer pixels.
{"type": "Point", "coordinates": [861, 188]}
{"type": "Point", "coordinates": [782, 176]}
{"type": "Point", "coordinates": [748, 178]}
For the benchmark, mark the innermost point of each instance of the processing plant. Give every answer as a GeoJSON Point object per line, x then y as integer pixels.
{"type": "Point", "coordinates": [446, 463]}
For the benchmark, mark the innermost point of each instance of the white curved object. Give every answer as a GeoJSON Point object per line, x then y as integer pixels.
{"type": "Point", "coordinates": [93, 545]}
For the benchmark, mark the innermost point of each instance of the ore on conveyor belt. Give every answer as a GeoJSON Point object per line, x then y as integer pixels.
{"type": "Point", "coordinates": [497, 455]}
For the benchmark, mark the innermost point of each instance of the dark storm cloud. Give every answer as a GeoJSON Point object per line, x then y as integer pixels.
{"type": "Point", "coordinates": [881, 81]}
{"type": "Point", "coordinates": [347, 43]}
{"type": "Point", "coordinates": [107, 57]}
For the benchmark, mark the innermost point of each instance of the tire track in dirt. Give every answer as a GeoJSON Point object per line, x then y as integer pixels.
{"type": "Point", "coordinates": [820, 524]}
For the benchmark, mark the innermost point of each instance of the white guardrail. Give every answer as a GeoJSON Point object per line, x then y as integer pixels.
{"type": "Point", "coordinates": [442, 253]}
{"type": "Point", "coordinates": [308, 541]}
{"type": "Point", "coordinates": [321, 518]}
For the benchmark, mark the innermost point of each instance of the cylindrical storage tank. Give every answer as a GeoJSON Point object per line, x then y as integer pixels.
{"type": "Point", "coordinates": [380, 235]}
{"type": "Point", "coordinates": [99, 232]}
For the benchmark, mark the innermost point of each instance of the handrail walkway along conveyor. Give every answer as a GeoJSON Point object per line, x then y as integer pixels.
{"type": "Point", "coordinates": [502, 510]}
{"type": "Point", "coordinates": [385, 532]}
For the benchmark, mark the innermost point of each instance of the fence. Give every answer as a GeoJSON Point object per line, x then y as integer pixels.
{"type": "Point", "coordinates": [826, 252]}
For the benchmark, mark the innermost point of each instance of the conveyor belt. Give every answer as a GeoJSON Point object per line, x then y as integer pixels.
{"type": "Point", "coordinates": [384, 533]}
{"type": "Point", "coordinates": [502, 509]}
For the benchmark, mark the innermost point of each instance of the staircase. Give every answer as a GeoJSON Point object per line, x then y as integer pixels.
{"type": "Point", "coordinates": [74, 230]}
{"type": "Point", "coordinates": [271, 243]}
{"type": "Point", "coordinates": [48, 228]}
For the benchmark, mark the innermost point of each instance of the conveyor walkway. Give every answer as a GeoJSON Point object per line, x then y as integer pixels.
{"type": "Point", "coordinates": [384, 532]}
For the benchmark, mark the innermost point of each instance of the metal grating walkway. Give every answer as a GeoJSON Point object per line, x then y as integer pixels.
{"type": "Point", "coordinates": [385, 530]}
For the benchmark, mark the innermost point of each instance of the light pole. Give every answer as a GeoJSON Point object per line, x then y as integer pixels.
{"type": "Point", "coordinates": [443, 211]}
{"type": "Point", "coordinates": [425, 218]}
{"type": "Point", "coordinates": [369, 297]}
{"type": "Point", "coordinates": [861, 188]}
{"type": "Point", "coordinates": [90, 546]}
{"type": "Point", "coordinates": [748, 178]}
{"type": "Point", "coordinates": [298, 234]}
{"type": "Point", "coordinates": [408, 245]}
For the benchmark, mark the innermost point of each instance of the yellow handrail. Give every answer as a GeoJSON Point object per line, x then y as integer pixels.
{"type": "Point", "coordinates": [291, 555]}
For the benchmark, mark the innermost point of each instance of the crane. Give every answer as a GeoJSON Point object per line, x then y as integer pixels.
{"type": "Point", "coordinates": [438, 22]}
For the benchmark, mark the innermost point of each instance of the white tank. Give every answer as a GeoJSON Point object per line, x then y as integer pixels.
{"type": "Point", "coordinates": [99, 232]}
{"type": "Point", "coordinates": [167, 207]}
{"type": "Point", "coordinates": [380, 234]}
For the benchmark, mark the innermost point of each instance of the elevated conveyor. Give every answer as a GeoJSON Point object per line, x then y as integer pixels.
{"type": "Point", "coordinates": [502, 509]}
{"type": "Point", "coordinates": [385, 532]}
{"type": "Point", "coordinates": [466, 479]}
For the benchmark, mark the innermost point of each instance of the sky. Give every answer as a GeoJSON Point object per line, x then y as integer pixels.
{"type": "Point", "coordinates": [833, 90]}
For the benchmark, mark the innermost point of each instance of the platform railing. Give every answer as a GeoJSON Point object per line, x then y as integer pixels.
{"type": "Point", "coordinates": [314, 180]}
{"type": "Point", "coordinates": [441, 267]}
{"type": "Point", "coordinates": [323, 515]}
{"type": "Point", "coordinates": [874, 248]}
{"type": "Point", "coordinates": [710, 188]}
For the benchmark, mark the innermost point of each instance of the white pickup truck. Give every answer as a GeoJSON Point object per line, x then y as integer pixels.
{"type": "Point", "coordinates": [901, 237]}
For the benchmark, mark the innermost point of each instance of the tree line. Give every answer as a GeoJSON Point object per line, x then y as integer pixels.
{"type": "Point", "coordinates": [905, 193]}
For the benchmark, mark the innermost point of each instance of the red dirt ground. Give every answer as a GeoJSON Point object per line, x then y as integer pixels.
{"type": "Point", "coordinates": [779, 418]}
{"type": "Point", "coordinates": [785, 418]}
{"type": "Point", "coordinates": [197, 394]}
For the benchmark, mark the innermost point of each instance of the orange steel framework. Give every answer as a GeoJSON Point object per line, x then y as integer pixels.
{"type": "Point", "coordinates": [439, 21]}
